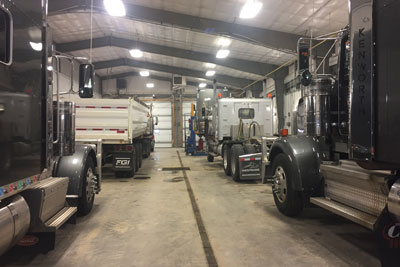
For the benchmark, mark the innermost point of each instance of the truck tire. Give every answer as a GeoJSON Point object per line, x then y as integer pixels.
{"type": "Point", "coordinates": [136, 156]}
{"type": "Point", "coordinates": [388, 237]}
{"type": "Point", "coordinates": [226, 157]}
{"type": "Point", "coordinates": [146, 148]}
{"type": "Point", "coordinates": [287, 200]}
{"type": "Point", "coordinates": [140, 154]}
{"type": "Point", "coordinates": [210, 158]}
{"type": "Point", "coordinates": [85, 202]}
{"type": "Point", "coordinates": [249, 149]}
{"type": "Point", "coordinates": [237, 150]}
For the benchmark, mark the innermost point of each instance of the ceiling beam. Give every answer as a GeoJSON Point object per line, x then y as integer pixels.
{"type": "Point", "coordinates": [222, 79]}
{"type": "Point", "coordinates": [272, 39]}
{"type": "Point", "coordinates": [155, 77]}
{"type": "Point", "coordinates": [253, 67]}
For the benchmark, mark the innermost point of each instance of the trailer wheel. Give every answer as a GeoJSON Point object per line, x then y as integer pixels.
{"type": "Point", "coordinates": [85, 202]}
{"type": "Point", "coordinates": [287, 200]}
{"type": "Point", "coordinates": [237, 150]}
{"type": "Point", "coordinates": [136, 156]}
{"type": "Point", "coordinates": [226, 157]}
{"type": "Point", "coordinates": [210, 158]}
{"type": "Point", "coordinates": [146, 148]}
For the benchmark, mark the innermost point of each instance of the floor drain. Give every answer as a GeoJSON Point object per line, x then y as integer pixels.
{"type": "Point", "coordinates": [142, 177]}
{"type": "Point", "coordinates": [176, 169]}
{"type": "Point", "coordinates": [175, 180]}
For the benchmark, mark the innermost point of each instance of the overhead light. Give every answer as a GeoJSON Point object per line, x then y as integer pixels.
{"type": "Point", "coordinates": [36, 46]}
{"type": "Point", "coordinates": [210, 65]}
{"type": "Point", "coordinates": [223, 42]}
{"type": "Point", "coordinates": [150, 85]}
{"type": "Point", "coordinates": [115, 8]}
{"type": "Point", "coordinates": [202, 85]}
{"type": "Point", "coordinates": [136, 53]}
{"type": "Point", "coordinates": [250, 9]}
{"type": "Point", "coordinates": [144, 73]}
{"type": "Point", "coordinates": [210, 73]}
{"type": "Point", "coordinates": [50, 68]}
{"type": "Point", "coordinates": [223, 53]}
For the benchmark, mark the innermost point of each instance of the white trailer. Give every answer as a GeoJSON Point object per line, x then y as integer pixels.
{"type": "Point", "coordinates": [235, 129]}
{"type": "Point", "coordinates": [120, 129]}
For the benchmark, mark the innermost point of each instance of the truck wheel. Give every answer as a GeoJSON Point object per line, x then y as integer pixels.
{"type": "Point", "coordinates": [136, 156]}
{"type": "Point", "coordinates": [388, 237]}
{"type": "Point", "coordinates": [146, 148]}
{"type": "Point", "coordinates": [210, 158]}
{"type": "Point", "coordinates": [140, 154]}
{"type": "Point", "coordinates": [287, 200]}
{"type": "Point", "coordinates": [226, 157]}
{"type": "Point", "coordinates": [85, 202]}
{"type": "Point", "coordinates": [237, 150]}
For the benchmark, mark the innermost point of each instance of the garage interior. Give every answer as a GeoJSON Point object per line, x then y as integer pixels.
{"type": "Point", "coordinates": [219, 88]}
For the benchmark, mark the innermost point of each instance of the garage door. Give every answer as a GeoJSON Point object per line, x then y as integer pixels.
{"type": "Point", "coordinates": [163, 131]}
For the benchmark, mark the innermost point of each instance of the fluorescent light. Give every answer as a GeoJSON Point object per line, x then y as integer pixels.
{"type": "Point", "coordinates": [150, 85]}
{"type": "Point", "coordinates": [36, 46]}
{"type": "Point", "coordinates": [115, 8]}
{"type": "Point", "coordinates": [250, 9]}
{"type": "Point", "coordinates": [210, 65]}
{"type": "Point", "coordinates": [202, 85]}
{"type": "Point", "coordinates": [210, 73]}
{"type": "Point", "coordinates": [223, 53]}
{"type": "Point", "coordinates": [50, 68]}
{"type": "Point", "coordinates": [223, 42]}
{"type": "Point", "coordinates": [136, 53]}
{"type": "Point", "coordinates": [144, 73]}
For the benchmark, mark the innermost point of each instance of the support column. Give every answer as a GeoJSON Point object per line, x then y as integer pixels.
{"type": "Point", "coordinates": [177, 123]}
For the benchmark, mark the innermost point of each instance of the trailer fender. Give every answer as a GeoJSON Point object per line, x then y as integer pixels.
{"type": "Point", "coordinates": [72, 167]}
{"type": "Point", "coordinates": [303, 152]}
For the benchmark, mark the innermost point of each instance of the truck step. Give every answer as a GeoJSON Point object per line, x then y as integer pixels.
{"type": "Point", "coordinates": [61, 217]}
{"type": "Point", "coordinates": [349, 213]}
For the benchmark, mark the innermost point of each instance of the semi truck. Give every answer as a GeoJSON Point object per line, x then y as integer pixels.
{"type": "Point", "coordinates": [121, 131]}
{"type": "Point", "coordinates": [45, 178]}
{"type": "Point", "coordinates": [345, 156]}
{"type": "Point", "coordinates": [234, 129]}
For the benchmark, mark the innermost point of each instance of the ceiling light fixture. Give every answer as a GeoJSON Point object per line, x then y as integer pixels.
{"type": "Point", "coordinates": [223, 53]}
{"type": "Point", "coordinates": [210, 65]}
{"type": "Point", "coordinates": [144, 73]}
{"type": "Point", "coordinates": [210, 73]}
{"type": "Point", "coordinates": [36, 46]}
{"type": "Point", "coordinates": [202, 85]}
{"type": "Point", "coordinates": [136, 53]}
{"type": "Point", "coordinates": [223, 42]}
{"type": "Point", "coordinates": [115, 8]}
{"type": "Point", "coordinates": [250, 9]}
{"type": "Point", "coordinates": [150, 85]}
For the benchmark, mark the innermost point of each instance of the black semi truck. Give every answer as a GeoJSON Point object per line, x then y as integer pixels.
{"type": "Point", "coordinates": [37, 134]}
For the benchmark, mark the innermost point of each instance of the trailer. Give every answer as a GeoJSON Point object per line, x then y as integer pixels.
{"type": "Point", "coordinates": [37, 135]}
{"type": "Point", "coordinates": [121, 131]}
{"type": "Point", "coordinates": [235, 129]}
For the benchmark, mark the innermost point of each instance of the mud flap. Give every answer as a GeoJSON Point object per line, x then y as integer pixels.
{"type": "Point", "coordinates": [388, 237]}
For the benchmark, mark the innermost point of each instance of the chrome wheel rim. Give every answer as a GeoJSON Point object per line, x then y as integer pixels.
{"type": "Point", "coordinates": [225, 158]}
{"type": "Point", "coordinates": [233, 167]}
{"type": "Point", "coordinates": [280, 184]}
{"type": "Point", "coordinates": [90, 181]}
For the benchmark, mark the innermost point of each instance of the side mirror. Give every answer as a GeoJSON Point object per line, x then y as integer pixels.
{"type": "Point", "coordinates": [86, 82]}
{"type": "Point", "coordinates": [306, 78]}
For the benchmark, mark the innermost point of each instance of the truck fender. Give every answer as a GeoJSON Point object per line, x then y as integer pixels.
{"type": "Point", "coordinates": [303, 152]}
{"type": "Point", "coordinates": [72, 167]}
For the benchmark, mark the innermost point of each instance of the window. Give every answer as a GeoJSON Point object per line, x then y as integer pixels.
{"type": "Point", "coordinates": [5, 37]}
{"type": "Point", "coordinates": [246, 113]}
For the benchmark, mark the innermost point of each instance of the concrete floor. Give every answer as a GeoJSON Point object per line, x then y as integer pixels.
{"type": "Point", "coordinates": [149, 221]}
